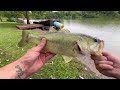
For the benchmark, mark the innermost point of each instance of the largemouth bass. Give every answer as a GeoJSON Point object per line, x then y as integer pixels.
{"type": "Point", "coordinates": [68, 44]}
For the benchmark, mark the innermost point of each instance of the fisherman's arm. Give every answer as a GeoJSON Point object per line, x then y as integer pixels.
{"type": "Point", "coordinates": [15, 70]}
{"type": "Point", "coordinates": [28, 64]}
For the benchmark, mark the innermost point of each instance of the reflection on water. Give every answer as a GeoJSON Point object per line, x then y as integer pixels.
{"type": "Point", "coordinates": [106, 29]}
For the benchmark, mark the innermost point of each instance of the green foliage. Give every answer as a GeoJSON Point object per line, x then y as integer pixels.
{"type": "Point", "coordinates": [12, 15]}
{"type": "Point", "coordinates": [11, 19]}
{"type": "Point", "coordinates": [73, 14]}
{"type": "Point", "coordinates": [59, 15]}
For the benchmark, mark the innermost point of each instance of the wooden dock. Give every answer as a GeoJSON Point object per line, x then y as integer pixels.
{"type": "Point", "coordinates": [29, 26]}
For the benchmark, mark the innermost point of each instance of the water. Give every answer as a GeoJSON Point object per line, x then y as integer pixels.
{"type": "Point", "coordinates": [105, 29]}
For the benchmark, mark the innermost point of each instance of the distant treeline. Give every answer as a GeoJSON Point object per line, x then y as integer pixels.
{"type": "Point", "coordinates": [74, 14]}
{"type": "Point", "coordinates": [13, 15]}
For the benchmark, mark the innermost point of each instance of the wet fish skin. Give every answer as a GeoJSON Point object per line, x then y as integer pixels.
{"type": "Point", "coordinates": [67, 44]}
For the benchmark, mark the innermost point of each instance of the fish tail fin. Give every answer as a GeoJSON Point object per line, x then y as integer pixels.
{"type": "Point", "coordinates": [25, 39]}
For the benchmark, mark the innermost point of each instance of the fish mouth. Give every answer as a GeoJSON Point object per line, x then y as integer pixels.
{"type": "Point", "coordinates": [101, 46]}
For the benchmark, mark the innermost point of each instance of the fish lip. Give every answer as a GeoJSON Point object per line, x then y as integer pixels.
{"type": "Point", "coordinates": [101, 46]}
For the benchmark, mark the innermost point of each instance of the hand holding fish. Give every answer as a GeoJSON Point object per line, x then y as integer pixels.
{"type": "Point", "coordinates": [28, 64]}
{"type": "Point", "coordinates": [36, 58]}
{"type": "Point", "coordinates": [107, 64]}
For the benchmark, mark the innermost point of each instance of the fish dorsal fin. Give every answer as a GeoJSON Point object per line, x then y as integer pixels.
{"type": "Point", "coordinates": [67, 59]}
{"type": "Point", "coordinates": [65, 31]}
{"type": "Point", "coordinates": [52, 29]}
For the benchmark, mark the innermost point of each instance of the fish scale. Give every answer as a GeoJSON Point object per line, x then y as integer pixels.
{"type": "Point", "coordinates": [59, 41]}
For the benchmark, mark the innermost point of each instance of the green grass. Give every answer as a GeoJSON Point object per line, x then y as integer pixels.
{"type": "Point", "coordinates": [9, 52]}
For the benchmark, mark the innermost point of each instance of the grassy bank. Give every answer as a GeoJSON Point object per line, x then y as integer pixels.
{"type": "Point", "coordinates": [56, 68]}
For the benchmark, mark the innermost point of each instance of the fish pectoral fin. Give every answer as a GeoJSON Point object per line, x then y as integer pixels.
{"type": "Point", "coordinates": [67, 59]}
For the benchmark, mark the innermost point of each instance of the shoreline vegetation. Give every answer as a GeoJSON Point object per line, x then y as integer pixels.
{"type": "Point", "coordinates": [12, 16]}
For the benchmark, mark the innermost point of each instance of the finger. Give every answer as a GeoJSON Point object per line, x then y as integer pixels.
{"type": "Point", "coordinates": [94, 57]}
{"type": "Point", "coordinates": [40, 46]}
{"type": "Point", "coordinates": [48, 53]}
{"type": "Point", "coordinates": [111, 57]}
{"type": "Point", "coordinates": [109, 73]}
{"type": "Point", "coordinates": [104, 66]}
{"type": "Point", "coordinates": [103, 62]}
{"type": "Point", "coordinates": [50, 56]}
{"type": "Point", "coordinates": [97, 53]}
{"type": "Point", "coordinates": [99, 58]}
{"type": "Point", "coordinates": [106, 53]}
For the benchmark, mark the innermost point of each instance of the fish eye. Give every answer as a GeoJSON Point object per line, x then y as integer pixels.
{"type": "Point", "coordinates": [95, 40]}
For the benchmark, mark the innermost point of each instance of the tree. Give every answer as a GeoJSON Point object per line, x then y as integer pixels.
{"type": "Point", "coordinates": [27, 17]}
{"type": "Point", "coordinates": [1, 16]}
